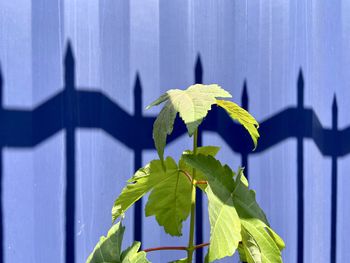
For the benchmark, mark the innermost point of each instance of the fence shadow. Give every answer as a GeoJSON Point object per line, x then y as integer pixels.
{"type": "Point", "coordinates": [73, 108]}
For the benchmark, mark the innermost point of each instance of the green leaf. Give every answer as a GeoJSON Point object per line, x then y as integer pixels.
{"type": "Point", "coordinates": [250, 247]}
{"type": "Point", "coordinates": [270, 252]}
{"type": "Point", "coordinates": [192, 104]}
{"type": "Point", "coordinates": [205, 150]}
{"type": "Point", "coordinates": [241, 252]}
{"type": "Point", "coordinates": [278, 240]}
{"type": "Point", "coordinates": [225, 227]}
{"type": "Point", "coordinates": [131, 254]}
{"type": "Point", "coordinates": [240, 178]}
{"type": "Point", "coordinates": [252, 216]}
{"type": "Point", "coordinates": [245, 201]}
{"type": "Point", "coordinates": [158, 101]}
{"type": "Point", "coordinates": [142, 182]}
{"type": "Point", "coordinates": [243, 117]}
{"type": "Point", "coordinates": [183, 260]}
{"type": "Point", "coordinates": [170, 201]}
{"type": "Point", "coordinates": [142, 172]}
{"type": "Point", "coordinates": [212, 171]}
{"type": "Point", "coordinates": [108, 249]}
{"type": "Point", "coordinates": [163, 126]}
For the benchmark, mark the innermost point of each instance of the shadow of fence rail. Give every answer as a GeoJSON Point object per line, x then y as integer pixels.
{"type": "Point", "coordinates": [74, 108]}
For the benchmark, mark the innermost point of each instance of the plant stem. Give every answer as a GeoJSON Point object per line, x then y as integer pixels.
{"type": "Point", "coordinates": [201, 245]}
{"type": "Point", "coordinates": [201, 182]}
{"type": "Point", "coordinates": [174, 248]}
{"type": "Point", "coordinates": [190, 247]}
{"type": "Point", "coordinates": [164, 248]}
{"type": "Point", "coordinates": [187, 175]}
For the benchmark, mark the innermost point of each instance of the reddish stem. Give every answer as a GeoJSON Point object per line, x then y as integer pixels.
{"type": "Point", "coordinates": [201, 245]}
{"type": "Point", "coordinates": [174, 248]}
{"type": "Point", "coordinates": [187, 175]}
{"type": "Point", "coordinates": [164, 248]}
{"type": "Point", "coordinates": [190, 178]}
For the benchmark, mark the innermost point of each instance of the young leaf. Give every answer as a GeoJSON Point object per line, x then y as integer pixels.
{"type": "Point", "coordinates": [243, 117]}
{"type": "Point", "coordinates": [240, 178]}
{"type": "Point", "coordinates": [163, 126]}
{"type": "Point", "coordinates": [170, 202]}
{"type": "Point", "coordinates": [205, 150]}
{"type": "Point", "coordinates": [131, 254]}
{"type": "Point", "coordinates": [158, 101]}
{"type": "Point", "coordinates": [108, 249]}
{"type": "Point", "coordinates": [268, 248]}
{"type": "Point", "coordinates": [251, 248]}
{"type": "Point", "coordinates": [225, 227]}
{"type": "Point", "coordinates": [212, 171]}
{"type": "Point", "coordinates": [141, 183]}
{"type": "Point", "coordinates": [192, 104]}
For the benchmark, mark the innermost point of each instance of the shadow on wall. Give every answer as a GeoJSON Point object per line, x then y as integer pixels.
{"type": "Point", "coordinates": [73, 108]}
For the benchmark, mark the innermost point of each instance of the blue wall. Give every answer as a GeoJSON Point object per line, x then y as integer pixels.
{"type": "Point", "coordinates": [76, 75]}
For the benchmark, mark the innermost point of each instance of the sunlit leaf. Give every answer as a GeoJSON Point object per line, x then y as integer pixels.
{"type": "Point", "coordinates": [245, 202]}
{"type": "Point", "coordinates": [108, 249]}
{"type": "Point", "coordinates": [240, 178]}
{"type": "Point", "coordinates": [192, 105]}
{"type": "Point", "coordinates": [278, 240]}
{"type": "Point", "coordinates": [133, 255]}
{"type": "Point", "coordinates": [205, 150]}
{"type": "Point", "coordinates": [163, 126]}
{"type": "Point", "coordinates": [241, 252]}
{"type": "Point", "coordinates": [250, 247]}
{"type": "Point", "coordinates": [225, 227]}
{"type": "Point", "coordinates": [243, 117]}
{"type": "Point", "coordinates": [255, 225]}
{"type": "Point", "coordinates": [183, 260]}
{"type": "Point", "coordinates": [170, 201]}
{"type": "Point", "coordinates": [141, 183]}
{"type": "Point", "coordinates": [158, 101]}
{"type": "Point", "coordinates": [270, 252]}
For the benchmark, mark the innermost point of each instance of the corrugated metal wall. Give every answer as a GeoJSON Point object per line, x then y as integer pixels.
{"type": "Point", "coordinates": [76, 76]}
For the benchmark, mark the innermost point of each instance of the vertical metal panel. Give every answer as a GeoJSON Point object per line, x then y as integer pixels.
{"type": "Point", "coordinates": [18, 236]}
{"type": "Point", "coordinates": [48, 209]}
{"type": "Point", "coordinates": [16, 52]}
{"type": "Point", "coordinates": [48, 157]}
